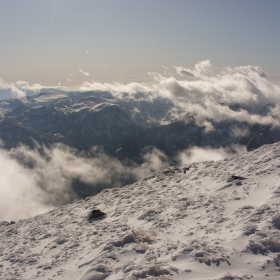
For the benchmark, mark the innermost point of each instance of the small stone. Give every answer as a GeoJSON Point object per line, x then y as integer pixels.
{"type": "Point", "coordinates": [96, 213]}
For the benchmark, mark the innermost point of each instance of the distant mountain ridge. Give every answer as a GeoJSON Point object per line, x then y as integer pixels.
{"type": "Point", "coordinates": [86, 119]}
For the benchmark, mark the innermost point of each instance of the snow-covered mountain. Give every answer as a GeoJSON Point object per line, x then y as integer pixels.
{"type": "Point", "coordinates": [208, 220]}
{"type": "Point", "coordinates": [125, 126]}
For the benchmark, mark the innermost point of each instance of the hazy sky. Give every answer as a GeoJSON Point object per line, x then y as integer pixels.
{"type": "Point", "coordinates": [71, 41]}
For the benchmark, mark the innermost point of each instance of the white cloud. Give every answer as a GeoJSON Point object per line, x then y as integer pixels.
{"type": "Point", "coordinates": [199, 154]}
{"type": "Point", "coordinates": [230, 86]}
{"type": "Point", "coordinates": [218, 113]}
{"type": "Point", "coordinates": [248, 70]}
{"type": "Point", "coordinates": [155, 160]}
{"type": "Point", "coordinates": [20, 89]}
{"type": "Point", "coordinates": [120, 90]}
{"type": "Point", "coordinates": [19, 198]}
{"type": "Point", "coordinates": [208, 127]}
{"type": "Point", "coordinates": [207, 94]}
{"type": "Point", "coordinates": [275, 110]}
{"type": "Point", "coordinates": [244, 85]}
{"type": "Point", "coordinates": [35, 181]}
{"type": "Point", "coordinates": [202, 68]}
{"type": "Point", "coordinates": [13, 88]}
{"type": "Point", "coordinates": [83, 72]}
{"type": "Point", "coordinates": [185, 72]}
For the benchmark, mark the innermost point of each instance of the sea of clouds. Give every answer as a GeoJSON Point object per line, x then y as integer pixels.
{"type": "Point", "coordinates": [34, 181]}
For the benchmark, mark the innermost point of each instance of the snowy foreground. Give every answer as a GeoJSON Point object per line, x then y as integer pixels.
{"type": "Point", "coordinates": [200, 225]}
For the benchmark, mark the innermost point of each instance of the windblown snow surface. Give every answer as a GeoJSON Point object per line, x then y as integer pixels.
{"type": "Point", "coordinates": [202, 224]}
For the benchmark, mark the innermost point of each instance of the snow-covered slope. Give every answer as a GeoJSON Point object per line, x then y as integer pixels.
{"type": "Point", "coordinates": [202, 224]}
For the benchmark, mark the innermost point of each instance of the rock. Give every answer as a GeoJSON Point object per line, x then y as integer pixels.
{"type": "Point", "coordinates": [237, 177]}
{"type": "Point", "coordinates": [96, 213]}
{"type": "Point", "coordinates": [185, 169]}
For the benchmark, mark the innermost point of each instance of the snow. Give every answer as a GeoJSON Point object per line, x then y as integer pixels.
{"type": "Point", "coordinates": [199, 225]}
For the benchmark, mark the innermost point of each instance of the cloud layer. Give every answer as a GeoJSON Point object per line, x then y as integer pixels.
{"type": "Point", "coordinates": [21, 89]}
{"type": "Point", "coordinates": [35, 181]}
{"type": "Point", "coordinates": [232, 94]}
{"type": "Point", "coordinates": [246, 85]}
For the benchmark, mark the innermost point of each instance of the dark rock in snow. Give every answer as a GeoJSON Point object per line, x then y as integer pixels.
{"type": "Point", "coordinates": [237, 177]}
{"type": "Point", "coordinates": [96, 213]}
{"type": "Point", "coordinates": [185, 169]}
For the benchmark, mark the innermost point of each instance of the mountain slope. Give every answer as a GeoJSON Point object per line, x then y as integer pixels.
{"type": "Point", "coordinates": [202, 224]}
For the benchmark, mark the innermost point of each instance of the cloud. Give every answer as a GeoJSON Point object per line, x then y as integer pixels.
{"type": "Point", "coordinates": [122, 91]}
{"type": "Point", "coordinates": [236, 94]}
{"type": "Point", "coordinates": [12, 89]}
{"type": "Point", "coordinates": [202, 68]}
{"type": "Point", "coordinates": [19, 198]}
{"type": "Point", "coordinates": [233, 93]}
{"type": "Point", "coordinates": [83, 72]}
{"type": "Point", "coordinates": [248, 70]}
{"type": "Point", "coordinates": [50, 176]}
{"type": "Point", "coordinates": [184, 72]}
{"type": "Point", "coordinates": [155, 160]}
{"type": "Point", "coordinates": [275, 110]}
{"type": "Point", "coordinates": [208, 127]}
{"type": "Point", "coordinates": [219, 113]}
{"type": "Point", "coordinates": [245, 85]}
{"type": "Point", "coordinates": [239, 132]}
{"type": "Point", "coordinates": [199, 154]}
{"type": "Point", "coordinates": [21, 89]}
{"type": "Point", "coordinates": [35, 181]}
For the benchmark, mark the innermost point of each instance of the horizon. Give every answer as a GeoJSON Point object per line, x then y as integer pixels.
{"type": "Point", "coordinates": [158, 83]}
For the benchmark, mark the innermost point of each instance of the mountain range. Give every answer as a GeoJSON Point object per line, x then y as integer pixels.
{"type": "Point", "coordinates": [123, 127]}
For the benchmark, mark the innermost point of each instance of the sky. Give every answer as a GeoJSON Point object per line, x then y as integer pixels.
{"type": "Point", "coordinates": [68, 42]}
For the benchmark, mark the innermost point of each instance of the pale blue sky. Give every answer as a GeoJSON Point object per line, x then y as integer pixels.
{"type": "Point", "coordinates": [47, 41]}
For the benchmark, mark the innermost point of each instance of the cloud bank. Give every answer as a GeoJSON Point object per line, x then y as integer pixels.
{"type": "Point", "coordinates": [21, 89]}
{"type": "Point", "coordinates": [35, 181]}
{"type": "Point", "coordinates": [245, 85]}
{"type": "Point", "coordinates": [8, 90]}
{"type": "Point", "coordinates": [232, 94]}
